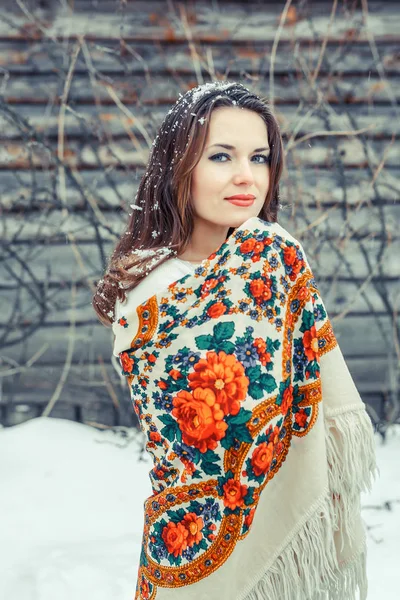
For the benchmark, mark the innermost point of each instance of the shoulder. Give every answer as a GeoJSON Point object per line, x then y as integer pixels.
{"type": "Point", "coordinates": [157, 279]}
{"type": "Point", "coordinates": [277, 231]}
{"type": "Point", "coordinates": [292, 255]}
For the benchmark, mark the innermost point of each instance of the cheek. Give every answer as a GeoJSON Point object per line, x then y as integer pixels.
{"type": "Point", "coordinates": [206, 177]}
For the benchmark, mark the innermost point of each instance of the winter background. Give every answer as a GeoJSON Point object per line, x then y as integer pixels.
{"type": "Point", "coordinates": [83, 86]}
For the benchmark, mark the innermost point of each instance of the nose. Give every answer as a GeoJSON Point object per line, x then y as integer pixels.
{"type": "Point", "coordinates": [243, 173]}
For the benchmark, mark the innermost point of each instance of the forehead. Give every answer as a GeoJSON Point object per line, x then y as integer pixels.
{"type": "Point", "coordinates": [233, 123]}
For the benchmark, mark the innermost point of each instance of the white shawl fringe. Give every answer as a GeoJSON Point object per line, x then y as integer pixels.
{"type": "Point", "coordinates": [309, 567]}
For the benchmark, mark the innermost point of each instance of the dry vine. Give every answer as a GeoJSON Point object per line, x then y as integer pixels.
{"type": "Point", "coordinates": [73, 169]}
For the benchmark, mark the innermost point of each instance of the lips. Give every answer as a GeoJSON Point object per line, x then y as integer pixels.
{"type": "Point", "coordinates": [241, 197]}
{"type": "Point", "coordinates": [239, 202]}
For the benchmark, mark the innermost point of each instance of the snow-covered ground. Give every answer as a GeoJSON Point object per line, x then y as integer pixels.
{"type": "Point", "coordinates": [71, 513]}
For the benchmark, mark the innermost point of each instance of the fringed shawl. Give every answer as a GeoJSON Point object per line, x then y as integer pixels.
{"type": "Point", "coordinates": [260, 441]}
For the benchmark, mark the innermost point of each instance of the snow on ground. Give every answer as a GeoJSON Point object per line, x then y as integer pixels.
{"type": "Point", "coordinates": [71, 513]}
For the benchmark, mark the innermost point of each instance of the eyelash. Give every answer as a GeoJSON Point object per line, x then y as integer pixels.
{"type": "Point", "coordinates": [268, 158]}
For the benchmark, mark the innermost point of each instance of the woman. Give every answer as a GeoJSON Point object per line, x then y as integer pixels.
{"type": "Point", "coordinates": [261, 444]}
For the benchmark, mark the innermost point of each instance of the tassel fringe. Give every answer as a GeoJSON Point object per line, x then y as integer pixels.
{"type": "Point", "coordinates": [309, 567]}
{"type": "Point", "coordinates": [350, 452]}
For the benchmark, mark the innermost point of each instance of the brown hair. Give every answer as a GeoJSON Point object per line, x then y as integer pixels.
{"type": "Point", "coordinates": [161, 223]}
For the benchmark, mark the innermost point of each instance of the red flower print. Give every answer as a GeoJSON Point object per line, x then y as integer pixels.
{"type": "Point", "coordinates": [262, 458]}
{"type": "Point", "coordinates": [287, 399]}
{"type": "Point", "coordinates": [267, 294]}
{"type": "Point", "coordinates": [247, 246]}
{"type": "Point", "coordinates": [301, 417]}
{"type": "Point", "coordinates": [260, 345]}
{"type": "Point", "coordinates": [194, 525]}
{"type": "Point", "coordinates": [216, 310]}
{"type": "Point", "coordinates": [127, 362]}
{"type": "Point", "coordinates": [303, 293]}
{"type": "Point", "coordinates": [162, 385]}
{"type": "Point", "coordinates": [208, 286]}
{"type": "Point", "coordinates": [310, 342]}
{"type": "Point", "coordinates": [189, 469]}
{"type": "Point", "coordinates": [155, 436]}
{"type": "Point", "coordinates": [144, 589]}
{"type": "Point", "coordinates": [290, 255]}
{"type": "Point", "coordinates": [249, 518]}
{"type": "Point", "coordinates": [257, 288]}
{"type": "Point", "coordinates": [225, 376]}
{"type": "Point", "coordinates": [258, 247]}
{"type": "Point", "coordinates": [261, 289]}
{"type": "Point", "coordinates": [273, 433]}
{"type": "Point", "coordinates": [175, 374]}
{"type": "Point", "coordinates": [234, 493]}
{"type": "Point", "coordinates": [265, 358]}
{"type": "Point", "coordinates": [290, 258]}
{"type": "Point", "coordinates": [175, 537]}
{"type": "Point", "coordinates": [122, 321]}
{"type": "Point", "coordinates": [255, 258]}
{"type": "Point", "coordinates": [151, 358]}
{"type": "Point", "coordinates": [200, 418]}
{"type": "Point", "coordinates": [296, 268]}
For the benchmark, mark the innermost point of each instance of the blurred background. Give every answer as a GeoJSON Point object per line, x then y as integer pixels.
{"type": "Point", "coordinates": [84, 86]}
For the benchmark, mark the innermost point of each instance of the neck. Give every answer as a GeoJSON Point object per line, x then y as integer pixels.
{"type": "Point", "coordinates": [206, 238]}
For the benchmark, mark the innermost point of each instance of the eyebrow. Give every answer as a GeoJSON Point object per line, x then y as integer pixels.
{"type": "Point", "coordinates": [228, 147]}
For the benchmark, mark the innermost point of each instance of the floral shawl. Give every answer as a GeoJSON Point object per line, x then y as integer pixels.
{"type": "Point", "coordinates": [260, 441]}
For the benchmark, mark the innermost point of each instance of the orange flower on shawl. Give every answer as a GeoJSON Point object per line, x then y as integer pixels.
{"type": "Point", "coordinates": [287, 399]}
{"type": "Point", "coordinates": [127, 362]}
{"type": "Point", "coordinates": [208, 286]}
{"type": "Point", "coordinates": [257, 288]}
{"type": "Point", "coordinates": [310, 342]}
{"type": "Point", "coordinates": [290, 255]}
{"type": "Point", "coordinates": [290, 258]}
{"type": "Point", "coordinates": [145, 589]}
{"type": "Point", "coordinates": [303, 293]}
{"type": "Point", "coordinates": [225, 376]}
{"type": "Point", "coordinates": [200, 418]}
{"type": "Point", "coordinates": [216, 310]}
{"type": "Point", "coordinates": [262, 458]}
{"type": "Point", "coordinates": [175, 537]}
{"type": "Point", "coordinates": [175, 374]}
{"type": "Point", "coordinates": [301, 418]}
{"type": "Point", "coordinates": [234, 493]}
{"type": "Point", "coordinates": [155, 436]}
{"type": "Point", "coordinates": [249, 518]}
{"type": "Point", "coordinates": [194, 525]}
{"type": "Point", "coordinates": [247, 245]}
{"type": "Point", "coordinates": [261, 289]}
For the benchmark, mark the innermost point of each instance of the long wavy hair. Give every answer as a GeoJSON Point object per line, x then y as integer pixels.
{"type": "Point", "coordinates": [162, 220]}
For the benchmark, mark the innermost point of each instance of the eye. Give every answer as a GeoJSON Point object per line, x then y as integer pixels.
{"type": "Point", "coordinates": [265, 161]}
{"type": "Point", "coordinates": [265, 157]}
{"type": "Point", "coordinates": [215, 156]}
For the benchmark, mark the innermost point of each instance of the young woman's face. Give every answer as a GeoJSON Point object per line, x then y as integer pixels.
{"type": "Point", "coordinates": [223, 172]}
